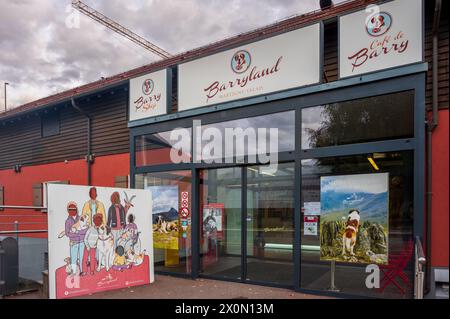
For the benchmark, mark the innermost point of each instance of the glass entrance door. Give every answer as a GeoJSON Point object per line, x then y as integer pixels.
{"type": "Point", "coordinates": [270, 224]}
{"type": "Point", "coordinates": [220, 222]}
{"type": "Point", "coordinates": [251, 240]}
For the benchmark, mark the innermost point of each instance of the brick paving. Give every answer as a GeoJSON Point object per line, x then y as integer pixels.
{"type": "Point", "coordinates": [166, 287]}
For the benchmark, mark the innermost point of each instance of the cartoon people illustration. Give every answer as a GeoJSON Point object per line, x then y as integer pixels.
{"type": "Point", "coordinates": [116, 216]}
{"type": "Point", "coordinates": [120, 260]}
{"type": "Point", "coordinates": [90, 242]}
{"type": "Point", "coordinates": [130, 236]}
{"type": "Point", "coordinates": [75, 230]}
{"type": "Point", "coordinates": [93, 206]}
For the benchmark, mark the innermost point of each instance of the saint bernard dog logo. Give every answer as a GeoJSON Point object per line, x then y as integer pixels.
{"type": "Point", "coordinates": [249, 73]}
{"type": "Point", "coordinates": [148, 86]}
{"type": "Point", "coordinates": [241, 61]}
{"type": "Point", "coordinates": [379, 24]}
{"type": "Point", "coordinates": [381, 43]}
{"type": "Point", "coordinates": [150, 98]}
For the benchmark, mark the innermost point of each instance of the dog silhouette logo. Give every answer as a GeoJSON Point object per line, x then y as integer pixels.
{"type": "Point", "coordinates": [148, 86]}
{"type": "Point", "coordinates": [379, 24]}
{"type": "Point", "coordinates": [241, 61]}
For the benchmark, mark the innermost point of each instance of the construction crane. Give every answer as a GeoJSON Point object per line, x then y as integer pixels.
{"type": "Point", "coordinates": [111, 24]}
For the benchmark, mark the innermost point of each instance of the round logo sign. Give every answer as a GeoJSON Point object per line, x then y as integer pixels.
{"type": "Point", "coordinates": [241, 61]}
{"type": "Point", "coordinates": [148, 86]}
{"type": "Point", "coordinates": [185, 212]}
{"type": "Point", "coordinates": [379, 24]}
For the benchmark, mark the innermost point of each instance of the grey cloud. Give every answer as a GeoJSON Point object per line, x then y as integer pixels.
{"type": "Point", "coordinates": [40, 56]}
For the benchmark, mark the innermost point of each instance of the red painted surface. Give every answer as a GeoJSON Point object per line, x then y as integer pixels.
{"type": "Point", "coordinates": [68, 286]}
{"type": "Point", "coordinates": [18, 187]}
{"type": "Point", "coordinates": [440, 208]}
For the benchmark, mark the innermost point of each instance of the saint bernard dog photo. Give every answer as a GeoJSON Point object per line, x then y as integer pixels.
{"type": "Point", "coordinates": [354, 218]}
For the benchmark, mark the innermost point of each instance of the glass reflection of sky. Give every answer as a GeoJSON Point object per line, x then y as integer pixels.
{"type": "Point", "coordinates": [284, 122]}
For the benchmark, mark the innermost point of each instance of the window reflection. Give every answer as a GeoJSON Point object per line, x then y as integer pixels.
{"type": "Point", "coordinates": [171, 192]}
{"type": "Point", "coordinates": [154, 149]}
{"type": "Point", "coordinates": [370, 119]}
{"type": "Point", "coordinates": [255, 136]}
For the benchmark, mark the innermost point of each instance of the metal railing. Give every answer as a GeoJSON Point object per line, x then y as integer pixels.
{"type": "Point", "coordinates": [420, 262]}
{"type": "Point", "coordinates": [30, 252]}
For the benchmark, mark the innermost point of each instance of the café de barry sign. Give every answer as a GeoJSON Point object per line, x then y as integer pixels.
{"type": "Point", "coordinates": [148, 95]}
{"type": "Point", "coordinates": [381, 37]}
{"type": "Point", "coordinates": [277, 63]}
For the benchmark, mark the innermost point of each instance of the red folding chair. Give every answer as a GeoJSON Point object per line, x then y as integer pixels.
{"type": "Point", "coordinates": [395, 268]}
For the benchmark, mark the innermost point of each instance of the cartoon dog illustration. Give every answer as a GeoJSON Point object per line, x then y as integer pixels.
{"type": "Point", "coordinates": [351, 230]}
{"type": "Point", "coordinates": [81, 224]}
{"type": "Point", "coordinates": [105, 247]}
{"type": "Point", "coordinates": [135, 259]}
{"type": "Point", "coordinates": [69, 267]}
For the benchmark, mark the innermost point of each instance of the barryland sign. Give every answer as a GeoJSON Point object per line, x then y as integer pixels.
{"type": "Point", "coordinates": [380, 37]}
{"type": "Point", "coordinates": [148, 95]}
{"type": "Point", "coordinates": [278, 63]}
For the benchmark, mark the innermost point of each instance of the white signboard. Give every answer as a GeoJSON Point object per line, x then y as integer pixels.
{"type": "Point", "coordinates": [380, 37]}
{"type": "Point", "coordinates": [278, 63]}
{"type": "Point", "coordinates": [148, 95]}
{"type": "Point", "coordinates": [99, 239]}
{"type": "Point", "coordinates": [312, 208]}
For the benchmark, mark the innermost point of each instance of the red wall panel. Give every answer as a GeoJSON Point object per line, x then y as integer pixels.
{"type": "Point", "coordinates": [440, 208]}
{"type": "Point", "coordinates": [18, 187]}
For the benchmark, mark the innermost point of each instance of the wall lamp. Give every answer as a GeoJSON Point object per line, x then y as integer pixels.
{"type": "Point", "coordinates": [372, 162]}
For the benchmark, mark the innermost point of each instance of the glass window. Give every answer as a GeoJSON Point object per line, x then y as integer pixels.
{"type": "Point", "coordinates": [171, 197]}
{"type": "Point", "coordinates": [270, 223]}
{"type": "Point", "coordinates": [249, 136]}
{"type": "Point", "coordinates": [163, 148]}
{"type": "Point", "coordinates": [371, 119]}
{"type": "Point", "coordinates": [358, 211]}
{"type": "Point", "coordinates": [50, 124]}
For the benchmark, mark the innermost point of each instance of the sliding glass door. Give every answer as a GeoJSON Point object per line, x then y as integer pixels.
{"type": "Point", "coordinates": [220, 222]}
{"type": "Point", "coordinates": [270, 223]}
{"type": "Point", "coordinates": [251, 240]}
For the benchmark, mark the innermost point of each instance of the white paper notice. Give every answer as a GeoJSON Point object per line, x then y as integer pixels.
{"type": "Point", "coordinates": [310, 225]}
{"type": "Point", "coordinates": [312, 208]}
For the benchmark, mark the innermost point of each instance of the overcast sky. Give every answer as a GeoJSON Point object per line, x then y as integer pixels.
{"type": "Point", "coordinates": [40, 55]}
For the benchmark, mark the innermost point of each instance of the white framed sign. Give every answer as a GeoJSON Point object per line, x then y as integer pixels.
{"type": "Point", "coordinates": [99, 239]}
{"type": "Point", "coordinates": [148, 95]}
{"type": "Point", "coordinates": [285, 61]}
{"type": "Point", "coordinates": [381, 37]}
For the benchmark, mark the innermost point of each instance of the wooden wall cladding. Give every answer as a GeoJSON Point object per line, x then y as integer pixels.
{"type": "Point", "coordinates": [22, 143]}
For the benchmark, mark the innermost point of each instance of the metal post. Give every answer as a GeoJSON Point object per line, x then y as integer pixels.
{"type": "Point", "coordinates": [6, 83]}
{"type": "Point", "coordinates": [419, 262]}
{"type": "Point", "coordinates": [333, 270]}
{"type": "Point", "coordinates": [2, 271]}
{"type": "Point", "coordinates": [16, 229]}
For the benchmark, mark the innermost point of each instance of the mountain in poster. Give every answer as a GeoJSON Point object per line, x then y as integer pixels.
{"type": "Point", "coordinates": [373, 207]}
{"type": "Point", "coordinates": [170, 215]}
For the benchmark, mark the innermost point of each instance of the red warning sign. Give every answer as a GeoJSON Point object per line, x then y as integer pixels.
{"type": "Point", "coordinates": [185, 212]}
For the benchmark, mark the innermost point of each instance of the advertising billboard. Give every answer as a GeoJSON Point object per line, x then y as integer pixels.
{"type": "Point", "coordinates": [99, 239]}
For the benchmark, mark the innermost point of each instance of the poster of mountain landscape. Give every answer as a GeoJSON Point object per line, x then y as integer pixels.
{"type": "Point", "coordinates": [354, 218]}
{"type": "Point", "coordinates": [165, 216]}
